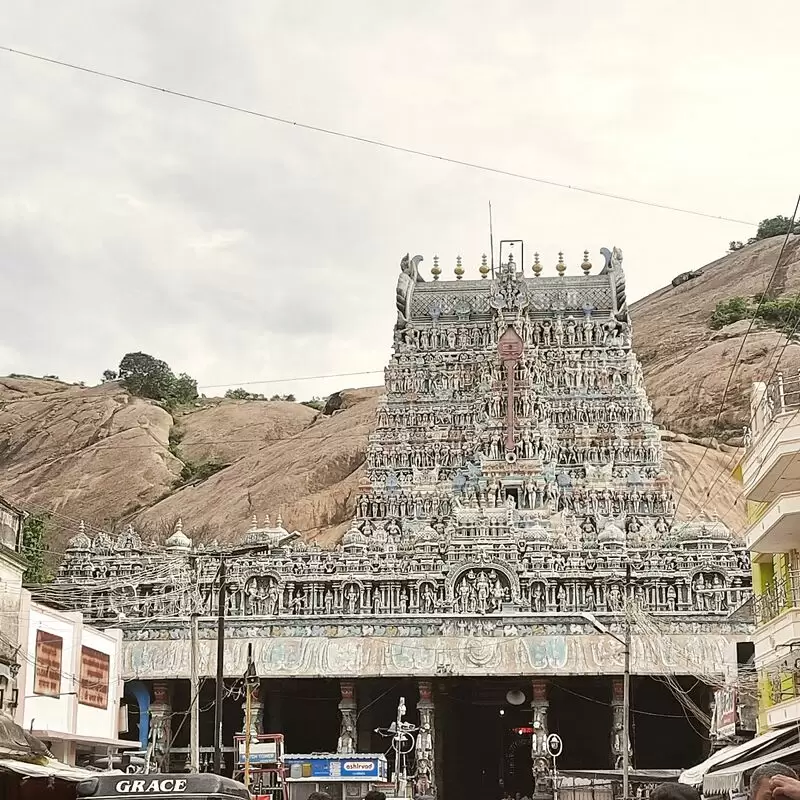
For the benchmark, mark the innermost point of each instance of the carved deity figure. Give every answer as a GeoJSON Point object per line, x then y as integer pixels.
{"type": "Point", "coordinates": [482, 591]}
{"type": "Point", "coordinates": [350, 600]}
{"type": "Point", "coordinates": [428, 599]}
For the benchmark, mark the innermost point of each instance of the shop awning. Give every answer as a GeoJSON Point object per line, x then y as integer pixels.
{"type": "Point", "coordinates": [694, 775]}
{"type": "Point", "coordinates": [732, 778]}
{"type": "Point", "coordinates": [79, 738]}
{"type": "Point", "coordinates": [50, 769]}
{"type": "Point", "coordinates": [636, 775]}
{"type": "Point", "coordinates": [772, 739]}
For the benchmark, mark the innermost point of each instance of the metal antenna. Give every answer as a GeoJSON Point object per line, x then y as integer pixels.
{"type": "Point", "coordinates": [491, 237]}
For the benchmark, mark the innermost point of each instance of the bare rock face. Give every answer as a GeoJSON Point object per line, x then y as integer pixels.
{"type": "Point", "coordinates": [687, 365]}
{"type": "Point", "coordinates": [310, 479]}
{"type": "Point", "coordinates": [97, 454]}
{"type": "Point", "coordinates": [712, 491]}
{"type": "Point", "coordinates": [226, 431]}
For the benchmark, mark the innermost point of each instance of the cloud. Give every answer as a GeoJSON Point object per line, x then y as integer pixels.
{"type": "Point", "coordinates": [240, 249]}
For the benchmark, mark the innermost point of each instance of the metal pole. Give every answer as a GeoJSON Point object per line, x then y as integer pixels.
{"type": "Point", "coordinates": [248, 713]}
{"type": "Point", "coordinates": [248, 717]}
{"type": "Point", "coordinates": [555, 779]}
{"type": "Point", "coordinates": [194, 699]}
{"type": "Point", "coordinates": [220, 666]}
{"type": "Point", "coordinates": [626, 692]}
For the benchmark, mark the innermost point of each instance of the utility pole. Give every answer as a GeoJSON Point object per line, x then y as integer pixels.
{"type": "Point", "coordinates": [626, 690]}
{"type": "Point", "coordinates": [221, 598]}
{"type": "Point", "coordinates": [250, 681]}
{"type": "Point", "coordinates": [194, 691]}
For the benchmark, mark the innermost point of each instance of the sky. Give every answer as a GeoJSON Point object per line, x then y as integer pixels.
{"type": "Point", "coordinates": [242, 250]}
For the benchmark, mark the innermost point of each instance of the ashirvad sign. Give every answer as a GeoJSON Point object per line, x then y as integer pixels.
{"type": "Point", "coordinates": [47, 669]}
{"type": "Point", "coordinates": [95, 672]}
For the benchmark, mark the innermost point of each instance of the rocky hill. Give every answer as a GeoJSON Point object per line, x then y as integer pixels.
{"type": "Point", "coordinates": [100, 455]}
{"type": "Point", "coordinates": [687, 364]}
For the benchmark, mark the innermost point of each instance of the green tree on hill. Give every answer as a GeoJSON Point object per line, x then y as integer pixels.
{"type": "Point", "coordinates": [184, 389]}
{"type": "Point", "coordinates": [145, 376]}
{"type": "Point", "coordinates": [775, 226]}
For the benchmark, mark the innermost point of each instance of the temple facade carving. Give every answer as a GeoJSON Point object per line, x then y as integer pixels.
{"type": "Point", "coordinates": [513, 473]}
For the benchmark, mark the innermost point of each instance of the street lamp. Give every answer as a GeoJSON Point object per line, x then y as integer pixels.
{"type": "Point", "coordinates": [626, 684]}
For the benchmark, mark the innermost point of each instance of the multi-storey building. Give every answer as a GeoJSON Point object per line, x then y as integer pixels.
{"type": "Point", "coordinates": [12, 568]}
{"type": "Point", "coordinates": [770, 471]}
{"type": "Point", "coordinates": [514, 510]}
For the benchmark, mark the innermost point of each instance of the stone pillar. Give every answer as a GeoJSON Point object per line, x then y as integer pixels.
{"type": "Point", "coordinates": [256, 712]}
{"type": "Point", "coordinates": [160, 727]}
{"type": "Point", "coordinates": [424, 782]}
{"type": "Point", "coordinates": [541, 763]}
{"type": "Point", "coordinates": [617, 715]}
{"type": "Point", "coordinates": [347, 727]}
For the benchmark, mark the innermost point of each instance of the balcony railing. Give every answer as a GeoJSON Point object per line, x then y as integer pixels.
{"type": "Point", "coordinates": [780, 396]}
{"type": "Point", "coordinates": [781, 685]}
{"type": "Point", "coordinates": [778, 597]}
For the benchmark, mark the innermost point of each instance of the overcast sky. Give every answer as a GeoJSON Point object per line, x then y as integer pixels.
{"type": "Point", "coordinates": [239, 250]}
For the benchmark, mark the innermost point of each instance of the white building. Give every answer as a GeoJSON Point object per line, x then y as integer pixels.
{"type": "Point", "coordinates": [770, 471]}
{"type": "Point", "coordinates": [69, 682]}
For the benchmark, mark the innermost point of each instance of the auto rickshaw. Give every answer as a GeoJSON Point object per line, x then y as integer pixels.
{"type": "Point", "coordinates": [163, 786]}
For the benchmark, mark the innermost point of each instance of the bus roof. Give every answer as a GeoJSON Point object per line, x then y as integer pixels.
{"type": "Point", "coordinates": [163, 785]}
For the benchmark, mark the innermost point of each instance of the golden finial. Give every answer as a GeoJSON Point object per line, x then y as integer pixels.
{"type": "Point", "coordinates": [435, 271]}
{"type": "Point", "coordinates": [484, 268]}
{"type": "Point", "coordinates": [537, 267]}
{"type": "Point", "coordinates": [561, 267]}
{"type": "Point", "coordinates": [459, 270]}
{"type": "Point", "coordinates": [587, 265]}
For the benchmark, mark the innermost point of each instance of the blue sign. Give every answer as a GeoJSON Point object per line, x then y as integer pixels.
{"type": "Point", "coordinates": [336, 767]}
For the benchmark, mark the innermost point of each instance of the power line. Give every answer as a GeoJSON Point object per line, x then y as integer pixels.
{"type": "Point", "coordinates": [372, 142]}
{"type": "Point", "coordinates": [293, 380]}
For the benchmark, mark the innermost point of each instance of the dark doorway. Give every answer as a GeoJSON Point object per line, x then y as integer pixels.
{"type": "Point", "coordinates": [513, 492]}
{"type": "Point", "coordinates": [310, 715]}
{"type": "Point", "coordinates": [666, 734]}
{"type": "Point", "coordinates": [486, 742]}
{"type": "Point", "coordinates": [580, 713]}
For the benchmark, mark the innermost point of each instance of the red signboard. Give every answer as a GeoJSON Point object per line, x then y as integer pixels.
{"type": "Point", "coordinates": [726, 711]}
{"type": "Point", "coordinates": [95, 674]}
{"type": "Point", "coordinates": [47, 669]}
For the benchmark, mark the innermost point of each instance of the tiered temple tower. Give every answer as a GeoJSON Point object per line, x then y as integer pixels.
{"type": "Point", "coordinates": [514, 493]}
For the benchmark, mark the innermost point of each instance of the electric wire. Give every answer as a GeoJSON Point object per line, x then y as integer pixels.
{"type": "Point", "coordinates": [366, 140]}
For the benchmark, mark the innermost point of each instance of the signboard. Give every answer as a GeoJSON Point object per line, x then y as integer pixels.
{"type": "Point", "coordinates": [356, 767]}
{"type": "Point", "coordinates": [47, 668]}
{"type": "Point", "coordinates": [554, 745]}
{"type": "Point", "coordinates": [95, 676]}
{"type": "Point", "coordinates": [725, 703]}
{"type": "Point", "coordinates": [260, 752]}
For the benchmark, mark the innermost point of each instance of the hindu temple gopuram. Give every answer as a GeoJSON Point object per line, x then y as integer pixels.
{"type": "Point", "coordinates": [514, 511]}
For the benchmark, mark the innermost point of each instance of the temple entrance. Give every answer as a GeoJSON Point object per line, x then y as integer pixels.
{"type": "Point", "coordinates": [485, 739]}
